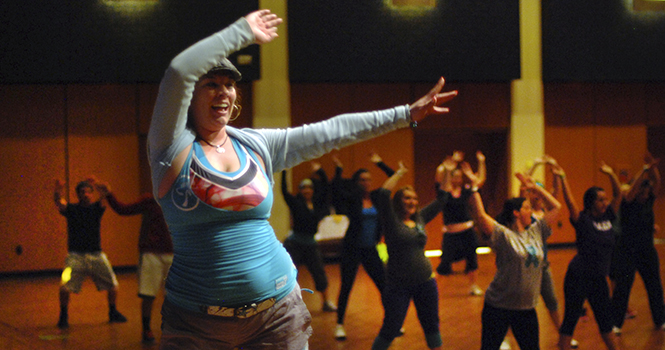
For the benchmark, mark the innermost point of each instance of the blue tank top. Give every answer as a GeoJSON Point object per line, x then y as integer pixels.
{"type": "Point", "coordinates": [370, 223]}
{"type": "Point", "coordinates": [225, 251]}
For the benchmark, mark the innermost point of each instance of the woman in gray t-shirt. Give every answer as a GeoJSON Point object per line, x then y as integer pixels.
{"type": "Point", "coordinates": [511, 298]}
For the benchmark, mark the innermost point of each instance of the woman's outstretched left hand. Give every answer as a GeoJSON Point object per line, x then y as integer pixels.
{"type": "Point", "coordinates": [432, 102]}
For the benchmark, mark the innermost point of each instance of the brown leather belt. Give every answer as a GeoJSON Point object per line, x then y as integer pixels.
{"type": "Point", "coordinates": [239, 312]}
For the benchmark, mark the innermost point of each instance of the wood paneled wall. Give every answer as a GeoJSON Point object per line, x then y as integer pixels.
{"type": "Point", "coordinates": [70, 132]}
{"type": "Point", "coordinates": [32, 144]}
{"type": "Point", "coordinates": [478, 120]}
{"type": "Point", "coordinates": [73, 131]}
{"type": "Point", "coordinates": [89, 130]}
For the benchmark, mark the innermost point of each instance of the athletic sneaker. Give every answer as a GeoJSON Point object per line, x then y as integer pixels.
{"type": "Point", "coordinates": [505, 345]}
{"type": "Point", "coordinates": [574, 343]}
{"type": "Point", "coordinates": [476, 291]}
{"type": "Point", "coordinates": [329, 306]}
{"type": "Point", "coordinates": [340, 334]}
{"type": "Point", "coordinates": [616, 330]}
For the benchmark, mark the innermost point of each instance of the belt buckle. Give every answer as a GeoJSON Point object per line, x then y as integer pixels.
{"type": "Point", "coordinates": [246, 311]}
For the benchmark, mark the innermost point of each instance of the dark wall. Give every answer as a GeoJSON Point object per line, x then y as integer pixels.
{"type": "Point", "coordinates": [367, 41]}
{"type": "Point", "coordinates": [602, 41]}
{"type": "Point", "coordinates": [90, 41]}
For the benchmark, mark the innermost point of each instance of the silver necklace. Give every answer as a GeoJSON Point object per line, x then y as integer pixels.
{"type": "Point", "coordinates": [219, 148]}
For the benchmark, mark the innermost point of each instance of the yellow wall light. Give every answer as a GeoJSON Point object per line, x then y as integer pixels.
{"type": "Point", "coordinates": [131, 7]}
{"type": "Point", "coordinates": [411, 8]}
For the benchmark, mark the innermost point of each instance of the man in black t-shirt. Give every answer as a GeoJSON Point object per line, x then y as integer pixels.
{"type": "Point", "coordinates": [85, 257]}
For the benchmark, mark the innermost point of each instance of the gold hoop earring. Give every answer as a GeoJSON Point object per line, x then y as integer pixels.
{"type": "Point", "coordinates": [239, 108]}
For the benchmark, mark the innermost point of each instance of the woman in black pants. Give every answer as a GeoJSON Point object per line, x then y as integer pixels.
{"type": "Point", "coordinates": [308, 207]}
{"type": "Point", "coordinates": [409, 272]}
{"type": "Point", "coordinates": [459, 238]}
{"type": "Point", "coordinates": [586, 278]}
{"type": "Point", "coordinates": [636, 252]}
{"type": "Point", "coordinates": [511, 298]}
{"type": "Point", "coordinates": [351, 197]}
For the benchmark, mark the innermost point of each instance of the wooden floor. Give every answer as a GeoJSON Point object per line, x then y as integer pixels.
{"type": "Point", "coordinates": [29, 311]}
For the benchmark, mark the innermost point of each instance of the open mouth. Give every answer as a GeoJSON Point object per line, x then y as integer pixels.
{"type": "Point", "coordinates": [222, 108]}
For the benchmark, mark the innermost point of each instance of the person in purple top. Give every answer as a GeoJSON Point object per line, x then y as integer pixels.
{"type": "Point", "coordinates": [586, 278]}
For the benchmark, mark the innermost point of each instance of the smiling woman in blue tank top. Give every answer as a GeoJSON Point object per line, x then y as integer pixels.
{"type": "Point", "coordinates": [232, 284]}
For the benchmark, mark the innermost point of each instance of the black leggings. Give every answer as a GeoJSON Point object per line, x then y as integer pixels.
{"type": "Point", "coordinates": [310, 255]}
{"type": "Point", "coordinates": [458, 246]}
{"type": "Point", "coordinates": [579, 285]}
{"type": "Point", "coordinates": [645, 261]}
{"type": "Point", "coordinates": [351, 259]}
{"type": "Point", "coordinates": [496, 321]}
